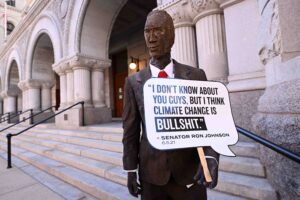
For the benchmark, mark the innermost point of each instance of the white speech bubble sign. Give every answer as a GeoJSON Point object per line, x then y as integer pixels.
{"type": "Point", "coordinates": [186, 113]}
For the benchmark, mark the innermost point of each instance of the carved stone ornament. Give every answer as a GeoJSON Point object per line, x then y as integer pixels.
{"type": "Point", "coordinates": [202, 5]}
{"type": "Point", "coordinates": [270, 36]}
{"type": "Point", "coordinates": [179, 14]}
{"type": "Point", "coordinates": [64, 8]}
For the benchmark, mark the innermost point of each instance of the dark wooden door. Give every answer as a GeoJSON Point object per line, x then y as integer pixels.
{"type": "Point", "coordinates": [120, 72]}
{"type": "Point", "coordinates": [119, 93]}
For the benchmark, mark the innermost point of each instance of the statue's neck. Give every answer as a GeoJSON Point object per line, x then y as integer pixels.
{"type": "Point", "coordinates": [162, 61]}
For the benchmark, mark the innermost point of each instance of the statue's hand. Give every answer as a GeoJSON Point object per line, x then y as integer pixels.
{"type": "Point", "coordinates": [213, 169]}
{"type": "Point", "coordinates": [132, 184]}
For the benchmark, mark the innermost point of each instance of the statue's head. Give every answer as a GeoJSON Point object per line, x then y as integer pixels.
{"type": "Point", "coordinates": [159, 33]}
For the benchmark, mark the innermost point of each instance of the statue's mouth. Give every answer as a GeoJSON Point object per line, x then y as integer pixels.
{"type": "Point", "coordinates": [154, 48]}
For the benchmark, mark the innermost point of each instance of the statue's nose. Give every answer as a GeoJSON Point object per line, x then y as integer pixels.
{"type": "Point", "coordinates": [152, 36]}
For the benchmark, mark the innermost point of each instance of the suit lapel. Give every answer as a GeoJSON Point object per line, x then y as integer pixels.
{"type": "Point", "coordinates": [143, 76]}
{"type": "Point", "coordinates": [180, 71]}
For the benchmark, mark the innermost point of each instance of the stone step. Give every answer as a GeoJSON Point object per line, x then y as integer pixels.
{"type": "Point", "coordinates": [240, 185]}
{"type": "Point", "coordinates": [248, 149]}
{"type": "Point", "coordinates": [92, 143]}
{"type": "Point", "coordinates": [103, 169]}
{"type": "Point", "coordinates": [242, 165]}
{"type": "Point", "coordinates": [90, 148]}
{"type": "Point", "coordinates": [60, 187]}
{"type": "Point", "coordinates": [245, 186]}
{"type": "Point", "coordinates": [96, 154]}
{"type": "Point", "coordinates": [111, 127]}
{"type": "Point", "coordinates": [215, 195]}
{"type": "Point", "coordinates": [97, 186]}
{"type": "Point", "coordinates": [114, 134]}
{"type": "Point", "coordinates": [108, 135]}
{"type": "Point", "coordinates": [70, 192]}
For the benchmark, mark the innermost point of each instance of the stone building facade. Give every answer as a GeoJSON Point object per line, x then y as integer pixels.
{"type": "Point", "coordinates": [64, 51]}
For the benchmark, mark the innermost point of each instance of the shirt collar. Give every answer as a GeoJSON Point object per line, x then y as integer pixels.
{"type": "Point", "coordinates": [168, 69]}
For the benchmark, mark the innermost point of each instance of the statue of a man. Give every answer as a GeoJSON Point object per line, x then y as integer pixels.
{"type": "Point", "coordinates": [173, 174]}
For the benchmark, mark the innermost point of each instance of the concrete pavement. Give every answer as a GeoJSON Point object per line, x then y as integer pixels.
{"type": "Point", "coordinates": [16, 185]}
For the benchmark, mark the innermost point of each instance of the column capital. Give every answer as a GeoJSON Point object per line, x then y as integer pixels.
{"type": "Point", "coordinates": [100, 65]}
{"type": "Point", "coordinates": [60, 67]}
{"type": "Point", "coordinates": [22, 85]}
{"type": "Point", "coordinates": [47, 84]}
{"type": "Point", "coordinates": [81, 61]}
{"type": "Point", "coordinates": [29, 84]}
{"type": "Point", "coordinates": [227, 3]}
{"type": "Point", "coordinates": [180, 13]}
{"type": "Point", "coordinates": [8, 93]}
{"type": "Point", "coordinates": [3, 94]}
{"type": "Point", "coordinates": [202, 8]}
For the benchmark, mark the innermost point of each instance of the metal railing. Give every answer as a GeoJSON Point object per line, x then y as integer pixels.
{"type": "Point", "coordinates": [18, 113]}
{"type": "Point", "coordinates": [287, 153]}
{"type": "Point", "coordinates": [30, 118]}
{"type": "Point", "coordinates": [6, 116]}
{"type": "Point", "coordinates": [9, 135]}
{"type": "Point", "coordinates": [3, 116]}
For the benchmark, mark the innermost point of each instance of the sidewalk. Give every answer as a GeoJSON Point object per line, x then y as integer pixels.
{"type": "Point", "coordinates": [16, 185]}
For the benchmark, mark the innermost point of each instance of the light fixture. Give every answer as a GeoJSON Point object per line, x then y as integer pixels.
{"type": "Point", "coordinates": [134, 63]}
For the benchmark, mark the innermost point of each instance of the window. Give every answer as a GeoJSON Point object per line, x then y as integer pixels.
{"type": "Point", "coordinates": [10, 27]}
{"type": "Point", "coordinates": [11, 3]}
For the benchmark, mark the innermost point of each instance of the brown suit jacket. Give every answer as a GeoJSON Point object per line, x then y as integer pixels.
{"type": "Point", "coordinates": [155, 166]}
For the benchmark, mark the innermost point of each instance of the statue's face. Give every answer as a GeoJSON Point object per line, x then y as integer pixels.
{"type": "Point", "coordinates": [159, 37]}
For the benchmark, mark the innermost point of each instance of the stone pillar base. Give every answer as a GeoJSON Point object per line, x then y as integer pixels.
{"type": "Point", "coordinates": [278, 120]}
{"type": "Point", "coordinates": [14, 120]}
{"type": "Point", "coordinates": [244, 107]}
{"type": "Point", "coordinates": [73, 117]}
{"type": "Point", "coordinates": [37, 118]}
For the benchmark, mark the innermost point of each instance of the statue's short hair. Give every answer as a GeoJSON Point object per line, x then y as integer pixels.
{"type": "Point", "coordinates": [164, 17]}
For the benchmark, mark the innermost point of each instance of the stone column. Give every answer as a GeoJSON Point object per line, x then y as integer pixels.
{"type": "Point", "coordinates": [107, 88]}
{"type": "Point", "coordinates": [1, 107]}
{"type": "Point", "coordinates": [82, 82]}
{"type": "Point", "coordinates": [46, 95]}
{"type": "Point", "coordinates": [211, 42]}
{"type": "Point", "coordinates": [98, 90]}
{"type": "Point", "coordinates": [25, 100]}
{"type": "Point", "coordinates": [87, 75]}
{"type": "Point", "coordinates": [60, 70]}
{"type": "Point", "coordinates": [70, 86]}
{"type": "Point", "coordinates": [10, 104]}
{"type": "Point", "coordinates": [63, 90]}
{"type": "Point", "coordinates": [184, 48]}
{"type": "Point", "coordinates": [34, 95]}
{"type": "Point", "coordinates": [20, 102]}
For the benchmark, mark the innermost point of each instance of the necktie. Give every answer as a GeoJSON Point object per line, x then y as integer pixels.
{"type": "Point", "coordinates": [162, 74]}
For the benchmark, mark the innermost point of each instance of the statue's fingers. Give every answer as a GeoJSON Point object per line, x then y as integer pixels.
{"type": "Point", "coordinates": [197, 175]}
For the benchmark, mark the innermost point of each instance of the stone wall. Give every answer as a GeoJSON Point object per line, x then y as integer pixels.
{"type": "Point", "coordinates": [278, 116]}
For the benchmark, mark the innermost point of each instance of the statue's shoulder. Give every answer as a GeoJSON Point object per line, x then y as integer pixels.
{"type": "Point", "coordinates": [195, 71]}
{"type": "Point", "coordinates": [140, 75]}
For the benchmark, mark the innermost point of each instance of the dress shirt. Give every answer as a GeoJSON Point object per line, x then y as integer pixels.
{"type": "Point", "coordinates": [169, 69]}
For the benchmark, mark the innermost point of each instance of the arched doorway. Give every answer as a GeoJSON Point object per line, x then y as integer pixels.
{"type": "Point", "coordinates": [13, 101]}
{"type": "Point", "coordinates": [1, 99]}
{"type": "Point", "coordinates": [42, 72]}
{"type": "Point", "coordinates": [127, 44]}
